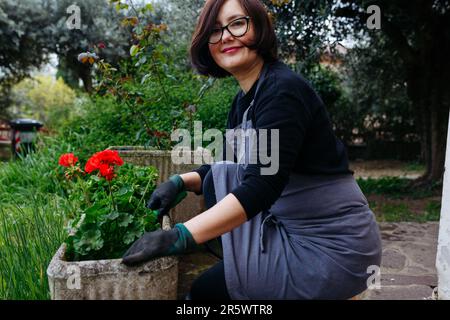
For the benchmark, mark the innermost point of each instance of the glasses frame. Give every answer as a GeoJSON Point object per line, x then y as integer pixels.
{"type": "Point", "coordinates": [247, 18]}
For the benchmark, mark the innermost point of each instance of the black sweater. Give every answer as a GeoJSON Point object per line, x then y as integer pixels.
{"type": "Point", "coordinates": [307, 143]}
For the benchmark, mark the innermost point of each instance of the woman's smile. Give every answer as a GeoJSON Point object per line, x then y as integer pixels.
{"type": "Point", "coordinates": [231, 50]}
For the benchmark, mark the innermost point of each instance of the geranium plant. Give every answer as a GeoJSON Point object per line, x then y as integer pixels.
{"type": "Point", "coordinates": [110, 209]}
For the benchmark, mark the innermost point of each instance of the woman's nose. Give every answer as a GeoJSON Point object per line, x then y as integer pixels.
{"type": "Point", "coordinates": [226, 35]}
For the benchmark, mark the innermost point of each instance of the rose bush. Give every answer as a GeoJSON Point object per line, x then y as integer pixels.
{"type": "Point", "coordinates": [110, 211]}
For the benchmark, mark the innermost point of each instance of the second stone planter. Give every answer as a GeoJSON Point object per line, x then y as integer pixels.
{"type": "Point", "coordinates": [192, 205]}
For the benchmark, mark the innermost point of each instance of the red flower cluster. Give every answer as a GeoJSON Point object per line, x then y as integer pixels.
{"type": "Point", "coordinates": [104, 161]}
{"type": "Point", "coordinates": [67, 160]}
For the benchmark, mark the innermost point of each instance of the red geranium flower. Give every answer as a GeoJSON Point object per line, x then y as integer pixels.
{"type": "Point", "coordinates": [104, 161]}
{"type": "Point", "coordinates": [67, 160]}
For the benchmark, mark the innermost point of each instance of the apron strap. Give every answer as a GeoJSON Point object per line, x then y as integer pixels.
{"type": "Point", "coordinates": [268, 218]}
{"type": "Point", "coordinates": [244, 121]}
{"type": "Point", "coordinates": [258, 85]}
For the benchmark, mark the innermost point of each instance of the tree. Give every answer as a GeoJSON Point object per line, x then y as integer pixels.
{"type": "Point", "coordinates": [45, 99]}
{"type": "Point", "coordinates": [23, 43]}
{"type": "Point", "coordinates": [302, 29]}
{"type": "Point", "coordinates": [418, 33]}
{"type": "Point", "coordinates": [181, 17]}
{"type": "Point", "coordinates": [100, 25]}
{"type": "Point", "coordinates": [381, 109]}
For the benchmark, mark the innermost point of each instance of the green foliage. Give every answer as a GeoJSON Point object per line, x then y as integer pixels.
{"type": "Point", "coordinates": [400, 212]}
{"type": "Point", "coordinates": [343, 113]}
{"type": "Point", "coordinates": [213, 108]}
{"type": "Point", "coordinates": [23, 37]}
{"type": "Point", "coordinates": [99, 25]}
{"type": "Point", "coordinates": [45, 99]}
{"type": "Point", "coordinates": [30, 234]}
{"type": "Point", "coordinates": [33, 206]}
{"type": "Point", "coordinates": [394, 212]}
{"type": "Point", "coordinates": [392, 186]}
{"type": "Point", "coordinates": [395, 187]}
{"type": "Point", "coordinates": [415, 166]}
{"type": "Point", "coordinates": [181, 16]}
{"type": "Point", "coordinates": [302, 29]}
{"type": "Point", "coordinates": [34, 172]}
{"type": "Point", "coordinates": [433, 211]}
{"type": "Point", "coordinates": [101, 122]}
{"type": "Point", "coordinates": [140, 82]}
{"type": "Point", "coordinates": [145, 97]}
{"type": "Point", "coordinates": [110, 217]}
{"type": "Point", "coordinates": [24, 42]}
{"type": "Point", "coordinates": [379, 98]}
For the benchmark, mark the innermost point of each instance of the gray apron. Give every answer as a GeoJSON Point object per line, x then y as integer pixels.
{"type": "Point", "coordinates": [317, 241]}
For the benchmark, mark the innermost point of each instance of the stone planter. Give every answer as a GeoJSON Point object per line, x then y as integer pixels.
{"type": "Point", "coordinates": [110, 279]}
{"type": "Point", "coordinates": [192, 205]}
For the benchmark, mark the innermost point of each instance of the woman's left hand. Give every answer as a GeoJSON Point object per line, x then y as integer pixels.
{"type": "Point", "coordinates": [158, 244]}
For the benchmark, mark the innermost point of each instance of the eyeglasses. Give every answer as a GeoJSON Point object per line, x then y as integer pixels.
{"type": "Point", "coordinates": [237, 28]}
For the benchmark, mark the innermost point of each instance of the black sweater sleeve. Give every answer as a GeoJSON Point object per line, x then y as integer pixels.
{"type": "Point", "coordinates": [281, 106]}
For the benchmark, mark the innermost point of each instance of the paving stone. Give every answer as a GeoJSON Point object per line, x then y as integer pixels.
{"type": "Point", "coordinates": [406, 280]}
{"type": "Point", "coordinates": [393, 259]}
{"type": "Point", "coordinates": [412, 292]}
{"type": "Point", "coordinates": [421, 254]}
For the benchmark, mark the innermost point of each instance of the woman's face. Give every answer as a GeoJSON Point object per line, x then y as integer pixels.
{"type": "Point", "coordinates": [240, 57]}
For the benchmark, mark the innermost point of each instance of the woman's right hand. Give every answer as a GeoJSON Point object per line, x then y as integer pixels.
{"type": "Point", "coordinates": [167, 195]}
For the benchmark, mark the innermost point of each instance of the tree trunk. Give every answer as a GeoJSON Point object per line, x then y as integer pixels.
{"type": "Point", "coordinates": [437, 149]}
{"type": "Point", "coordinates": [428, 92]}
{"type": "Point", "coordinates": [85, 75]}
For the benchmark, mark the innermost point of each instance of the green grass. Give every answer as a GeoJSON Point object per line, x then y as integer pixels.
{"type": "Point", "coordinates": [34, 173]}
{"type": "Point", "coordinates": [393, 187]}
{"type": "Point", "coordinates": [400, 189]}
{"type": "Point", "coordinates": [29, 236]}
{"type": "Point", "coordinates": [415, 166]}
{"type": "Point", "coordinates": [433, 210]}
{"type": "Point", "coordinates": [392, 212]}
{"type": "Point", "coordinates": [32, 210]}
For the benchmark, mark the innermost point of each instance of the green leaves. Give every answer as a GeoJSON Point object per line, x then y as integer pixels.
{"type": "Point", "coordinates": [134, 50]}
{"type": "Point", "coordinates": [125, 219]}
{"type": "Point", "coordinates": [132, 235]}
{"type": "Point", "coordinates": [90, 240]}
{"type": "Point", "coordinates": [103, 232]}
{"type": "Point", "coordinates": [121, 6]}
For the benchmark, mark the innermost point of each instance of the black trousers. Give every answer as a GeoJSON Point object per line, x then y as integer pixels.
{"type": "Point", "coordinates": [210, 285]}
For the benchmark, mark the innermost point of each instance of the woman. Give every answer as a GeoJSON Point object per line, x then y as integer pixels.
{"type": "Point", "coordinates": [303, 232]}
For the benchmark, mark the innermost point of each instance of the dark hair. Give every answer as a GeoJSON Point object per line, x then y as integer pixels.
{"type": "Point", "coordinates": [265, 39]}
